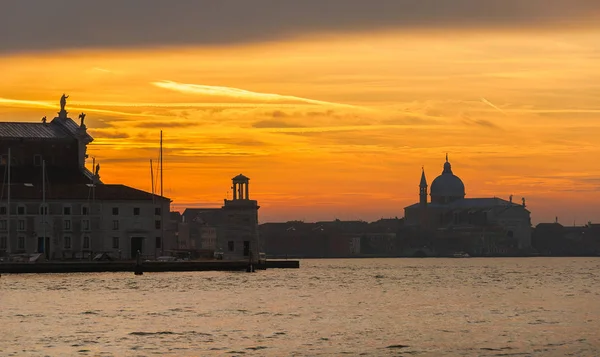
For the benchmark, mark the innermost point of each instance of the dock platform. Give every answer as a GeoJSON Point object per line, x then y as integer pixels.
{"type": "Point", "coordinates": [147, 267]}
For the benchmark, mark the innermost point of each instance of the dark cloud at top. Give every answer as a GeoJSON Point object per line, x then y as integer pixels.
{"type": "Point", "coordinates": [37, 25]}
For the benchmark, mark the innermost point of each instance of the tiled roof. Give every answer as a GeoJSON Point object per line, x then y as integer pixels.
{"type": "Point", "coordinates": [80, 192]}
{"type": "Point", "coordinates": [58, 128]}
{"type": "Point", "coordinates": [33, 130]}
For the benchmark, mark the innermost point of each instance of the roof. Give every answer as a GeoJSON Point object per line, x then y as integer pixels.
{"type": "Point", "coordinates": [33, 131]}
{"type": "Point", "coordinates": [58, 128]}
{"type": "Point", "coordinates": [423, 182]}
{"type": "Point", "coordinates": [472, 203]}
{"type": "Point", "coordinates": [210, 216]}
{"type": "Point", "coordinates": [240, 177]}
{"type": "Point", "coordinates": [80, 192]}
{"type": "Point", "coordinates": [447, 184]}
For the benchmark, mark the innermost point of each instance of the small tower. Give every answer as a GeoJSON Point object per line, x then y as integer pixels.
{"type": "Point", "coordinates": [423, 188]}
{"type": "Point", "coordinates": [240, 187]}
{"type": "Point", "coordinates": [423, 198]}
{"type": "Point", "coordinates": [240, 239]}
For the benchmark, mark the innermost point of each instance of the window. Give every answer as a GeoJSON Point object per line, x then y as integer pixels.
{"type": "Point", "coordinates": [3, 225]}
{"type": "Point", "coordinates": [21, 225]}
{"type": "Point", "coordinates": [67, 224]}
{"type": "Point", "coordinates": [158, 242]}
{"type": "Point", "coordinates": [67, 210]}
{"type": "Point", "coordinates": [230, 246]}
{"type": "Point", "coordinates": [86, 224]}
{"type": "Point", "coordinates": [115, 242]}
{"type": "Point", "coordinates": [2, 209]}
{"type": "Point", "coordinates": [67, 242]}
{"type": "Point", "coordinates": [21, 243]}
{"type": "Point", "coordinates": [37, 160]}
{"type": "Point", "coordinates": [3, 243]}
{"type": "Point", "coordinates": [116, 225]}
{"type": "Point", "coordinates": [85, 210]}
{"type": "Point", "coordinates": [136, 211]}
{"type": "Point", "coordinates": [157, 224]}
{"type": "Point", "coordinates": [157, 211]}
{"type": "Point", "coordinates": [21, 210]}
{"type": "Point", "coordinates": [44, 210]}
{"type": "Point", "coordinates": [86, 242]}
{"type": "Point", "coordinates": [115, 211]}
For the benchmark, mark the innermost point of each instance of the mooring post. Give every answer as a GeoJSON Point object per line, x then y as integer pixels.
{"type": "Point", "coordinates": [138, 270]}
{"type": "Point", "coordinates": [250, 268]}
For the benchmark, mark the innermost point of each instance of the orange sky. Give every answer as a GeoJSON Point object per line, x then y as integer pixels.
{"type": "Point", "coordinates": [337, 126]}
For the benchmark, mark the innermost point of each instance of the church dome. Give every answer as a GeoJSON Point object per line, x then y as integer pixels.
{"type": "Point", "coordinates": [447, 187]}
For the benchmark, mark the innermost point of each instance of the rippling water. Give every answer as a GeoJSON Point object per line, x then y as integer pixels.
{"type": "Point", "coordinates": [370, 307]}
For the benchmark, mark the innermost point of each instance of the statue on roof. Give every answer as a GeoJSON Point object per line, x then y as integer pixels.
{"type": "Point", "coordinates": [44, 120]}
{"type": "Point", "coordinates": [63, 102]}
{"type": "Point", "coordinates": [82, 117]}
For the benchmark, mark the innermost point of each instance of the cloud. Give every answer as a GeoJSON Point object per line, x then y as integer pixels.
{"type": "Point", "coordinates": [240, 94]}
{"type": "Point", "coordinates": [485, 101]}
{"type": "Point", "coordinates": [70, 24]}
{"type": "Point", "coordinates": [108, 134]}
{"type": "Point", "coordinates": [273, 124]}
{"type": "Point", "coordinates": [166, 124]}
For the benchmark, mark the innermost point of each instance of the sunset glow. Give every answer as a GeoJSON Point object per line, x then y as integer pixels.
{"type": "Point", "coordinates": [337, 125]}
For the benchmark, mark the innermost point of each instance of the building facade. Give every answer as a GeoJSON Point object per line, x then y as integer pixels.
{"type": "Point", "coordinates": [231, 231]}
{"type": "Point", "coordinates": [52, 204]}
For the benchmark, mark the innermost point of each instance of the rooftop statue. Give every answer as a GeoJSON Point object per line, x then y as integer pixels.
{"type": "Point", "coordinates": [82, 117]}
{"type": "Point", "coordinates": [63, 102]}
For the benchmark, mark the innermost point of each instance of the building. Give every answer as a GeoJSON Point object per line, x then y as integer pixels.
{"type": "Point", "coordinates": [231, 230]}
{"type": "Point", "coordinates": [480, 225]}
{"type": "Point", "coordinates": [52, 204]}
{"type": "Point", "coordinates": [332, 239]}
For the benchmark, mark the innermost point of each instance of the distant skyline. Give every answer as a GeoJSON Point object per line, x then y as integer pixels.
{"type": "Point", "coordinates": [330, 107]}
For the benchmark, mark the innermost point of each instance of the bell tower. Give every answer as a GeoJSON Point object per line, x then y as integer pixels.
{"type": "Point", "coordinates": [423, 199]}
{"type": "Point", "coordinates": [423, 189]}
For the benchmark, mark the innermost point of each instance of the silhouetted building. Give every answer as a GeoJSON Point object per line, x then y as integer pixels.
{"type": "Point", "coordinates": [554, 239]}
{"type": "Point", "coordinates": [478, 225]}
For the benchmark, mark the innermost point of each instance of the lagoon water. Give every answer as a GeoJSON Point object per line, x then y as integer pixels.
{"type": "Point", "coordinates": [369, 307]}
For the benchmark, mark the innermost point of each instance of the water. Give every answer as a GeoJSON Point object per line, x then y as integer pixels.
{"type": "Point", "coordinates": [370, 307]}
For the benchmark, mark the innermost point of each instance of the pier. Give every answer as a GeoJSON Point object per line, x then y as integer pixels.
{"type": "Point", "coordinates": [147, 267]}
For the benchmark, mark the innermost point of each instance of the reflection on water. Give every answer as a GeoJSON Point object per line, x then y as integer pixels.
{"type": "Point", "coordinates": [370, 307]}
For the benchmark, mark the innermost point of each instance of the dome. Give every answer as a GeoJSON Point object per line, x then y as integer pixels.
{"type": "Point", "coordinates": [447, 187]}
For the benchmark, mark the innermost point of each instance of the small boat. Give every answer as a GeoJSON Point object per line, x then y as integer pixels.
{"type": "Point", "coordinates": [461, 255]}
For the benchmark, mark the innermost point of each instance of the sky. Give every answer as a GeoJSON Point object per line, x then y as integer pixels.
{"type": "Point", "coordinates": [331, 107]}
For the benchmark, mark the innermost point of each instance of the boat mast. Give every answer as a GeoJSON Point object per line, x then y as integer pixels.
{"type": "Point", "coordinates": [8, 208]}
{"type": "Point", "coordinates": [152, 180]}
{"type": "Point", "coordinates": [162, 223]}
{"type": "Point", "coordinates": [44, 208]}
